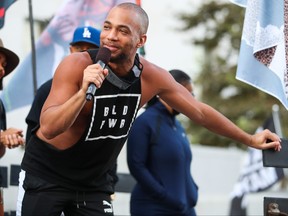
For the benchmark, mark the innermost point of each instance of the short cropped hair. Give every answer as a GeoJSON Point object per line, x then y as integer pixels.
{"type": "Point", "coordinates": [143, 17]}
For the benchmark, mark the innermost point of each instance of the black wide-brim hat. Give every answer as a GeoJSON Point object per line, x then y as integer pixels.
{"type": "Point", "coordinates": [11, 58]}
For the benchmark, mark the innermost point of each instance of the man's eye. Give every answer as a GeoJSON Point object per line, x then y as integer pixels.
{"type": "Point", "coordinates": [123, 31]}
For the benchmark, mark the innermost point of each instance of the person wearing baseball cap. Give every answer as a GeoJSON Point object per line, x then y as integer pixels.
{"type": "Point", "coordinates": [85, 38]}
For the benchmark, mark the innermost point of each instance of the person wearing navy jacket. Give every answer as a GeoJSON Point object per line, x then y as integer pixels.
{"type": "Point", "coordinates": [159, 158]}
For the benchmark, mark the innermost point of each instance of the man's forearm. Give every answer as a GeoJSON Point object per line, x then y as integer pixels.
{"type": "Point", "coordinates": [56, 120]}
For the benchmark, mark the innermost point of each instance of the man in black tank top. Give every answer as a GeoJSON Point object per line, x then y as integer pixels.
{"type": "Point", "coordinates": [84, 38]}
{"type": "Point", "coordinates": [67, 161]}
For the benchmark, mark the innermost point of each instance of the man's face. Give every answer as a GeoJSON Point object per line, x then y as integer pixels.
{"type": "Point", "coordinates": [82, 46]}
{"type": "Point", "coordinates": [3, 63]}
{"type": "Point", "coordinates": [120, 34]}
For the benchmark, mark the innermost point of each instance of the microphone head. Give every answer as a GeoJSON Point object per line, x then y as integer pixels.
{"type": "Point", "coordinates": [103, 55]}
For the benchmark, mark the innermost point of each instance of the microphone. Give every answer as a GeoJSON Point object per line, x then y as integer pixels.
{"type": "Point", "coordinates": [102, 58]}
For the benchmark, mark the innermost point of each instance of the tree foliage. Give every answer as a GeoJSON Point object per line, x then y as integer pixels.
{"type": "Point", "coordinates": [217, 27]}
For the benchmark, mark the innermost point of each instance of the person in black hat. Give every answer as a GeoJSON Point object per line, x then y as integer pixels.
{"type": "Point", "coordinates": [11, 137]}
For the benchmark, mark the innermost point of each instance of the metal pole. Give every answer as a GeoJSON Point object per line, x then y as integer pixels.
{"type": "Point", "coordinates": [33, 50]}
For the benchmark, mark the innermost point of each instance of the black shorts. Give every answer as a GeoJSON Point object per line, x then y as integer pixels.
{"type": "Point", "coordinates": [42, 199]}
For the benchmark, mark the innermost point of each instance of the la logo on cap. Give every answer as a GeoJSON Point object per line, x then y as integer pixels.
{"type": "Point", "coordinates": [86, 33]}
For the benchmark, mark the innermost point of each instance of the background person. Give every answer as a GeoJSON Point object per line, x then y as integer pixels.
{"type": "Point", "coordinates": [11, 137]}
{"type": "Point", "coordinates": [84, 38]}
{"type": "Point", "coordinates": [159, 158]}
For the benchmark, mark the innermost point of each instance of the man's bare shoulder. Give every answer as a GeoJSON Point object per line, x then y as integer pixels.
{"type": "Point", "coordinates": [154, 80]}
{"type": "Point", "coordinates": [152, 71]}
{"type": "Point", "coordinates": [149, 67]}
{"type": "Point", "coordinates": [73, 63]}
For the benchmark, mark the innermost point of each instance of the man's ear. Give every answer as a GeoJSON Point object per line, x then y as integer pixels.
{"type": "Point", "coordinates": [70, 49]}
{"type": "Point", "coordinates": [142, 41]}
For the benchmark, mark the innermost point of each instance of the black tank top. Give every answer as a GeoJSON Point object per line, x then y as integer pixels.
{"type": "Point", "coordinates": [85, 165]}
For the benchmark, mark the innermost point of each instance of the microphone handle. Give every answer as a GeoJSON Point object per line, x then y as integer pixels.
{"type": "Point", "coordinates": [92, 87]}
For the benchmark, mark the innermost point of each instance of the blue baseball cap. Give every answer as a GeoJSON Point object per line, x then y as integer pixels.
{"type": "Point", "coordinates": [86, 34]}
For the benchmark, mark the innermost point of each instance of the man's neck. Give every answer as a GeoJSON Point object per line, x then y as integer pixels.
{"type": "Point", "coordinates": [122, 68]}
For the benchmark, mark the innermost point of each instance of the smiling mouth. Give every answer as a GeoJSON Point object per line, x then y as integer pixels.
{"type": "Point", "coordinates": [110, 46]}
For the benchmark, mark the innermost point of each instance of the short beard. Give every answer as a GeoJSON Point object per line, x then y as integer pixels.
{"type": "Point", "coordinates": [119, 59]}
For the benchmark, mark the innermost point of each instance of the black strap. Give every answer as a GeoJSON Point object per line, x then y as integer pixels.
{"type": "Point", "coordinates": [93, 54]}
{"type": "Point", "coordinates": [116, 81]}
{"type": "Point", "coordinates": [113, 78]}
